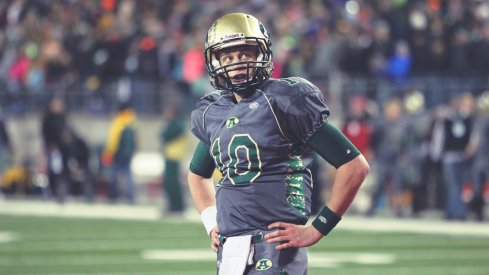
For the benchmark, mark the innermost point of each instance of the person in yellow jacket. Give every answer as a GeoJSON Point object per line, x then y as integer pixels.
{"type": "Point", "coordinates": [118, 153]}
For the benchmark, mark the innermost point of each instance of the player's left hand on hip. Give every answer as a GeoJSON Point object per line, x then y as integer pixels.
{"type": "Point", "coordinates": [292, 235]}
{"type": "Point", "coordinates": [215, 239]}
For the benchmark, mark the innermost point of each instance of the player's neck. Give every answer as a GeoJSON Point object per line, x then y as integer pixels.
{"type": "Point", "coordinates": [238, 97]}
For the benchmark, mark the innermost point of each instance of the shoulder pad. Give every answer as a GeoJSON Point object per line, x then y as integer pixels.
{"type": "Point", "coordinates": [197, 120]}
{"type": "Point", "coordinates": [210, 98]}
{"type": "Point", "coordinates": [290, 94]}
{"type": "Point", "coordinates": [298, 105]}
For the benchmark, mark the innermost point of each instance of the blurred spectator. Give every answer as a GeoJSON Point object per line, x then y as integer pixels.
{"type": "Point", "coordinates": [5, 146]}
{"type": "Point", "coordinates": [355, 55]}
{"type": "Point", "coordinates": [76, 155]}
{"type": "Point", "coordinates": [118, 153]}
{"type": "Point", "coordinates": [430, 194]}
{"type": "Point", "coordinates": [53, 126]}
{"type": "Point", "coordinates": [480, 177]}
{"type": "Point", "coordinates": [175, 144]}
{"type": "Point", "coordinates": [459, 57]}
{"type": "Point", "coordinates": [481, 48]}
{"type": "Point", "coordinates": [417, 124]}
{"type": "Point", "coordinates": [399, 65]}
{"type": "Point", "coordinates": [381, 49]}
{"type": "Point", "coordinates": [357, 126]}
{"type": "Point", "coordinates": [387, 144]}
{"type": "Point", "coordinates": [18, 180]}
{"type": "Point", "coordinates": [324, 55]}
{"type": "Point", "coordinates": [458, 150]}
{"type": "Point", "coordinates": [438, 48]}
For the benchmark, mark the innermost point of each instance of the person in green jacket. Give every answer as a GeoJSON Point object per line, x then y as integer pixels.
{"type": "Point", "coordinates": [174, 140]}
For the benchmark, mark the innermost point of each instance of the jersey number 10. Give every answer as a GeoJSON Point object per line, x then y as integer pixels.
{"type": "Point", "coordinates": [230, 169]}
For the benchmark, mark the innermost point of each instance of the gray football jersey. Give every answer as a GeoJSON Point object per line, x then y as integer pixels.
{"type": "Point", "coordinates": [259, 146]}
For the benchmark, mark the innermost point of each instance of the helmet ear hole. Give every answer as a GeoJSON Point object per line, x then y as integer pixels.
{"type": "Point", "coordinates": [259, 57]}
{"type": "Point", "coordinates": [215, 63]}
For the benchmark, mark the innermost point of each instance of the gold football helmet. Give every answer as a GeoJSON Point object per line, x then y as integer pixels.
{"type": "Point", "coordinates": [232, 30]}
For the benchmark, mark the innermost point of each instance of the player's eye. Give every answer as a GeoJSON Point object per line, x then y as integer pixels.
{"type": "Point", "coordinates": [225, 59]}
{"type": "Point", "coordinates": [246, 56]}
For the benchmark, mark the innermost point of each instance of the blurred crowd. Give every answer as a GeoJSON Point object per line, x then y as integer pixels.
{"type": "Point", "coordinates": [424, 159]}
{"type": "Point", "coordinates": [83, 46]}
{"type": "Point", "coordinates": [98, 55]}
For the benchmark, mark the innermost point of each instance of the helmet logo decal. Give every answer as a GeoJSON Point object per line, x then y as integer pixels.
{"type": "Point", "coordinates": [263, 30]}
{"type": "Point", "coordinates": [263, 264]}
{"type": "Point", "coordinates": [254, 105]}
{"type": "Point", "coordinates": [233, 36]}
{"type": "Point", "coordinates": [231, 122]}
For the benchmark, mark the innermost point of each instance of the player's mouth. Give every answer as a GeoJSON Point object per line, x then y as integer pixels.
{"type": "Point", "coordinates": [239, 78]}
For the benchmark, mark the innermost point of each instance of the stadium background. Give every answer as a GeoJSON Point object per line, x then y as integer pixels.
{"type": "Point", "coordinates": [97, 55]}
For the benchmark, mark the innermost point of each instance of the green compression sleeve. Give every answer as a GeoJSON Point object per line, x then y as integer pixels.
{"type": "Point", "coordinates": [202, 163]}
{"type": "Point", "coordinates": [330, 143]}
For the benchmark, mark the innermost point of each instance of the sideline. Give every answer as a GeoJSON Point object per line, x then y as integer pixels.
{"type": "Point", "coordinates": [72, 209]}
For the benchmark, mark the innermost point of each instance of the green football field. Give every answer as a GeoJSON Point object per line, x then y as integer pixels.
{"type": "Point", "coordinates": [49, 245]}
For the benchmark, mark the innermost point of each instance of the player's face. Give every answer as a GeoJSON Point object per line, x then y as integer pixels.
{"type": "Point", "coordinates": [239, 73]}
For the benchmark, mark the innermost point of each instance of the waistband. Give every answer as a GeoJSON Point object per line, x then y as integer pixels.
{"type": "Point", "coordinates": [256, 238]}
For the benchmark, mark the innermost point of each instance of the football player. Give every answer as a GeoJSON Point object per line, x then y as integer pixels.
{"type": "Point", "coordinates": [260, 133]}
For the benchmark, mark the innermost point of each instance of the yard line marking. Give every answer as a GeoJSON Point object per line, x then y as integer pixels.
{"type": "Point", "coordinates": [6, 237]}
{"type": "Point", "coordinates": [438, 227]}
{"type": "Point", "coordinates": [70, 260]}
{"type": "Point", "coordinates": [316, 259]}
{"type": "Point", "coordinates": [410, 270]}
{"type": "Point", "coordinates": [179, 254]}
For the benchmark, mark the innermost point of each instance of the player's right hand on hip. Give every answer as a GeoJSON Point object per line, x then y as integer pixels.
{"type": "Point", "coordinates": [292, 235]}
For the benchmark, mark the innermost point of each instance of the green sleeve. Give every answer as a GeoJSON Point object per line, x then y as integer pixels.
{"type": "Point", "coordinates": [202, 162]}
{"type": "Point", "coordinates": [330, 143]}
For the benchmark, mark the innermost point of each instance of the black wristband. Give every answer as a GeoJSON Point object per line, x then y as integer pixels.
{"type": "Point", "coordinates": [326, 220]}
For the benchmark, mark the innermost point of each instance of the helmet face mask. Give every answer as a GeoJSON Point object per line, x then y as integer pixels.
{"type": "Point", "coordinates": [238, 30]}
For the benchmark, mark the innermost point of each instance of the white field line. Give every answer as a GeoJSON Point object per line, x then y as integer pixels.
{"type": "Point", "coordinates": [384, 270]}
{"type": "Point", "coordinates": [436, 227]}
{"type": "Point", "coordinates": [68, 260]}
{"type": "Point", "coordinates": [78, 210]}
{"type": "Point", "coordinates": [153, 212]}
{"type": "Point", "coordinates": [6, 237]}
{"type": "Point", "coordinates": [415, 252]}
{"type": "Point", "coordinates": [124, 272]}
{"type": "Point", "coordinates": [415, 270]}
{"type": "Point", "coordinates": [316, 259]}
{"type": "Point", "coordinates": [320, 260]}
{"type": "Point", "coordinates": [113, 273]}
